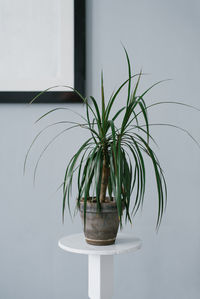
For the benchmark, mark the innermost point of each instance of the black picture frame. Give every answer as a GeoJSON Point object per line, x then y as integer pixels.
{"type": "Point", "coordinates": [59, 97]}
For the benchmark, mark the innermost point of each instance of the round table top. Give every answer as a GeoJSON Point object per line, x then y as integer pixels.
{"type": "Point", "coordinates": [77, 244]}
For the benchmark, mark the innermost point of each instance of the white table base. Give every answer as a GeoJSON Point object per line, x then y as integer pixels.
{"type": "Point", "coordinates": [100, 276]}
{"type": "Point", "coordinates": [100, 261]}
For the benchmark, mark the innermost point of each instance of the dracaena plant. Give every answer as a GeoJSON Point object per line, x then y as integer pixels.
{"type": "Point", "coordinates": [111, 161]}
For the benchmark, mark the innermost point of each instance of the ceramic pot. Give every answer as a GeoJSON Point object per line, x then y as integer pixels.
{"type": "Point", "coordinates": [101, 226]}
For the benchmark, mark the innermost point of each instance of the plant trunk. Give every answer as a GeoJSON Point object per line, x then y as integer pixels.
{"type": "Point", "coordinates": [104, 180]}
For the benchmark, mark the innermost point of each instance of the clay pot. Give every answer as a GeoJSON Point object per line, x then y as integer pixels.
{"type": "Point", "coordinates": [101, 226]}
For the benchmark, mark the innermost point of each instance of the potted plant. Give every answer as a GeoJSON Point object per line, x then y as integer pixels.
{"type": "Point", "coordinates": [110, 164]}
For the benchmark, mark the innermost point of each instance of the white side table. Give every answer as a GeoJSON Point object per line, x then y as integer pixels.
{"type": "Point", "coordinates": [100, 260]}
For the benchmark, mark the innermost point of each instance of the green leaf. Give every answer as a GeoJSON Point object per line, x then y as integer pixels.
{"type": "Point", "coordinates": [145, 119]}
{"type": "Point", "coordinates": [159, 181]}
{"type": "Point", "coordinates": [179, 128]}
{"type": "Point", "coordinates": [129, 75]}
{"type": "Point", "coordinates": [141, 98]}
{"type": "Point", "coordinates": [59, 108]}
{"type": "Point", "coordinates": [102, 102]}
{"type": "Point", "coordinates": [113, 97]}
{"type": "Point", "coordinates": [56, 86]}
{"type": "Point", "coordinates": [69, 174]}
{"type": "Point", "coordinates": [37, 136]}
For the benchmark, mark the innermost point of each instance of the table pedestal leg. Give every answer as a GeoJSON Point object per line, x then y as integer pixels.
{"type": "Point", "coordinates": [100, 276]}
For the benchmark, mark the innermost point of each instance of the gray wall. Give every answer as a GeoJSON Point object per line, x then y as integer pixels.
{"type": "Point", "coordinates": [162, 37]}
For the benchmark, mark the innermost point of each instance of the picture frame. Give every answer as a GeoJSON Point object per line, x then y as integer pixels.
{"type": "Point", "coordinates": [70, 61]}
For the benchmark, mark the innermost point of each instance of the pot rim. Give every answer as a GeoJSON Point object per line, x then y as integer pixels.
{"type": "Point", "coordinates": [92, 199]}
{"type": "Point", "coordinates": [107, 207]}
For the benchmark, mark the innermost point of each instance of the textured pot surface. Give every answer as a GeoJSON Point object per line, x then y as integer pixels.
{"type": "Point", "coordinates": [101, 226]}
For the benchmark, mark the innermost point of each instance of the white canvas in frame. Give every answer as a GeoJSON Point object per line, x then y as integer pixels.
{"type": "Point", "coordinates": [37, 44]}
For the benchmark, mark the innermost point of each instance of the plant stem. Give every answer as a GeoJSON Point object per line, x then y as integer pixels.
{"type": "Point", "coordinates": [104, 180]}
